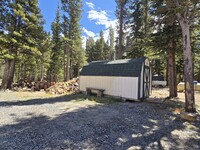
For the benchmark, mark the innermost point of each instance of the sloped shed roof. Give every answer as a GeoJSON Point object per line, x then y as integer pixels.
{"type": "Point", "coordinates": [122, 67]}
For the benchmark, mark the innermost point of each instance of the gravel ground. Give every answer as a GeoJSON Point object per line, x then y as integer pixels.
{"type": "Point", "coordinates": [71, 122]}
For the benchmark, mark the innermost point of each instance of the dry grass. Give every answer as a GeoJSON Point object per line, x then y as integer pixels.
{"type": "Point", "coordinates": [10, 95]}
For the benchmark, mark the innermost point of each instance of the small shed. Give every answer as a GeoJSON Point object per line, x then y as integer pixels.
{"type": "Point", "coordinates": [125, 78]}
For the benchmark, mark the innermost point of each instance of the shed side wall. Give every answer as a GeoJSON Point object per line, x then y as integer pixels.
{"type": "Point", "coordinates": [126, 87]}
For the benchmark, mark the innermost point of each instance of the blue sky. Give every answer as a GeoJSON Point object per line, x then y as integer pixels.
{"type": "Point", "coordinates": [97, 15]}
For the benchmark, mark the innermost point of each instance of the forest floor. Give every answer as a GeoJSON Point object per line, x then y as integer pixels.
{"type": "Point", "coordinates": [161, 93]}
{"type": "Point", "coordinates": [41, 121]}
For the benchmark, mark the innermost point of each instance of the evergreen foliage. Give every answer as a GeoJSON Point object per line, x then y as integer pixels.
{"type": "Point", "coordinates": [121, 14]}
{"type": "Point", "coordinates": [55, 72]}
{"type": "Point", "coordinates": [111, 46]}
{"type": "Point", "coordinates": [23, 31]}
{"type": "Point", "coordinates": [100, 50]}
{"type": "Point", "coordinates": [76, 56]}
{"type": "Point", "coordinates": [90, 49]}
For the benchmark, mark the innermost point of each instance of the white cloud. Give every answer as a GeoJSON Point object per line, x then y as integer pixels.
{"type": "Point", "coordinates": [90, 5]}
{"type": "Point", "coordinates": [101, 18]}
{"type": "Point", "coordinates": [88, 33]}
{"type": "Point", "coordinates": [95, 36]}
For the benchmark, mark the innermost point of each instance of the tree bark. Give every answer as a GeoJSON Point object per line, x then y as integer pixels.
{"type": "Point", "coordinates": [42, 71]}
{"type": "Point", "coordinates": [172, 81]}
{"type": "Point", "coordinates": [146, 16]}
{"type": "Point", "coordinates": [8, 74]}
{"type": "Point", "coordinates": [167, 70]}
{"type": "Point", "coordinates": [65, 65]}
{"type": "Point", "coordinates": [120, 50]}
{"type": "Point", "coordinates": [188, 65]}
{"type": "Point", "coordinates": [68, 65]}
{"type": "Point", "coordinates": [172, 78]}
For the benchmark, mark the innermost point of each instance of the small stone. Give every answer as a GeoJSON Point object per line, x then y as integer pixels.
{"type": "Point", "coordinates": [188, 116]}
{"type": "Point", "coordinates": [134, 148]}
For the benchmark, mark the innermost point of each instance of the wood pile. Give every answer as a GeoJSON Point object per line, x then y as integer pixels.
{"type": "Point", "coordinates": [31, 85]}
{"type": "Point", "coordinates": [64, 87]}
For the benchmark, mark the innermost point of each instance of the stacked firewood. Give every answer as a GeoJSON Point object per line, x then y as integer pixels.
{"type": "Point", "coordinates": [64, 87]}
{"type": "Point", "coordinates": [31, 85]}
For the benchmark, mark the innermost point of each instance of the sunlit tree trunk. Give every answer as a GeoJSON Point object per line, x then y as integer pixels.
{"type": "Point", "coordinates": [188, 64]}
{"type": "Point", "coordinates": [8, 74]}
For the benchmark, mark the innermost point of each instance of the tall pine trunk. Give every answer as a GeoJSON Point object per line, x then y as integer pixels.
{"type": "Point", "coordinates": [188, 65]}
{"type": "Point", "coordinates": [67, 64]}
{"type": "Point", "coordinates": [171, 63]}
{"type": "Point", "coordinates": [146, 16]}
{"type": "Point", "coordinates": [8, 74]}
{"type": "Point", "coordinates": [171, 69]}
{"type": "Point", "coordinates": [120, 49]}
{"type": "Point", "coordinates": [167, 70]}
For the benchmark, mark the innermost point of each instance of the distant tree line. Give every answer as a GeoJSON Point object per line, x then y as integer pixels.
{"type": "Point", "coordinates": [101, 49]}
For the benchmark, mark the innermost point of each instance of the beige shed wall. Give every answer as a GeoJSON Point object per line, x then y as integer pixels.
{"type": "Point", "coordinates": [126, 87]}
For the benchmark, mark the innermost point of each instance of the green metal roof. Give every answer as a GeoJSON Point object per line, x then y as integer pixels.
{"type": "Point", "coordinates": [122, 67]}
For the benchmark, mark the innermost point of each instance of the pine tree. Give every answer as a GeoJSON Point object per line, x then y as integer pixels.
{"type": "Point", "coordinates": [73, 10]}
{"type": "Point", "coordinates": [121, 16]}
{"type": "Point", "coordinates": [100, 50]}
{"type": "Point", "coordinates": [98, 53]}
{"type": "Point", "coordinates": [90, 48]}
{"type": "Point", "coordinates": [106, 51]}
{"type": "Point", "coordinates": [168, 33]}
{"type": "Point", "coordinates": [111, 48]}
{"type": "Point", "coordinates": [66, 47]}
{"type": "Point", "coordinates": [45, 60]}
{"type": "Point", "coordinates": [31, 67]}
{"type": "Point", "coordinates": [22, 25]}
{"type": "Point", "coordinates": [136, 24]}
{"type": "Point", "coordinates": [186, 13]}
{"type": "Point", "coordinates": [55, 70]}
{"type": "Point", "coordinates": [102, 44]}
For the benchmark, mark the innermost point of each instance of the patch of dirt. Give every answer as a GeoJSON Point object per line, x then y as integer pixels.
{"type": "Point", "coordinates": [162, 93]}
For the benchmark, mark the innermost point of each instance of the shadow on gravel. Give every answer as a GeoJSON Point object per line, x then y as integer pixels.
{"type": "Point", "coordinates": [65, 98]}
{"type": "Point", "coordinates": [129, 125]}
{"type": "Point", "coordinates": [41, 101]}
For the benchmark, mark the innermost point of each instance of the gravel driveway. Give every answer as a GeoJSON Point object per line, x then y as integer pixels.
{"type": "Point", "coordinates": [70, 122]}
